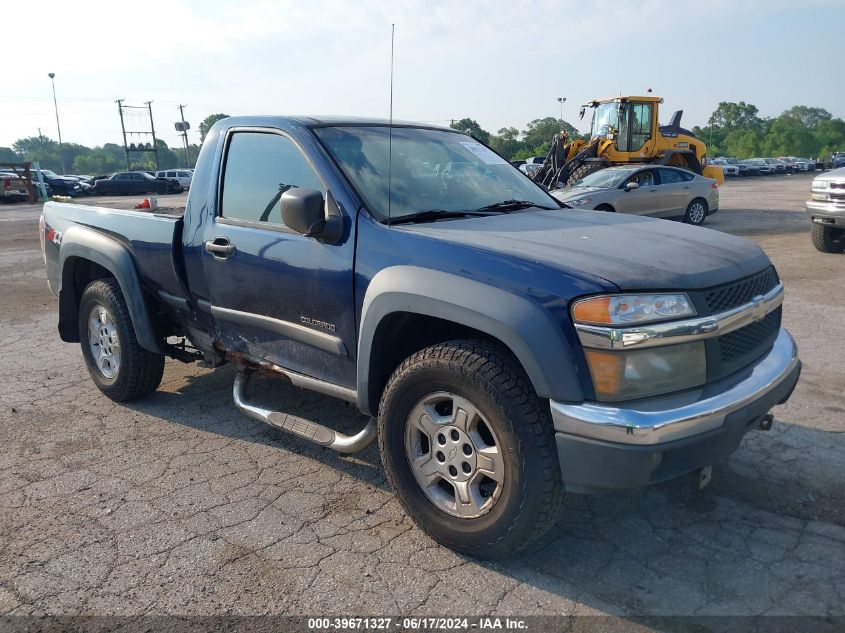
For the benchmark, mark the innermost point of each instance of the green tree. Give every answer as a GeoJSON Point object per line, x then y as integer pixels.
{"type": "Point", "coordinates": [829, 137]}
{"type": "Point", "coordinates": [809, 117]}
{"type": "Point", "coordinates": [30, 149]}
{"type": "Point", "coordinates": [734, 116]}
{"type": "Point", "coordinates": [788, 136]}
{"type": "Point", "coordinates": [471, 127]}
{"type": "Point", "coordinates": [506, 142]}
{"type": "Point", "coordinates": [208, 121]}
{"type": "Point", "coordinates": [742, 144]}
{"type": "Point", "coordinates": [8, 155]}
{"type": "Point", "coordinates": [540, 132]}
{"type": "Point", "coordinates": [101, 160]}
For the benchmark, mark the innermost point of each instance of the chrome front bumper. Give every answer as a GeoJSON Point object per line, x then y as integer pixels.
{"type": "Point", "coordinates": [831, 210]}
{"type": "Point", "coordinates": [675, 417]}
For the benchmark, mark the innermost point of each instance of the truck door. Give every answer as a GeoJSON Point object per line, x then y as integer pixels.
{"type": "Point", "coordinates": [276, 295]}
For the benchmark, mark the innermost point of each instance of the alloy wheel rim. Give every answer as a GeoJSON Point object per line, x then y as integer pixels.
{"type": "Point", "coordinates": [103, 341]}
{"type": "Point", "coordinates": [454, 455]}
{"type": "Point", "coordinates": [696, 213]}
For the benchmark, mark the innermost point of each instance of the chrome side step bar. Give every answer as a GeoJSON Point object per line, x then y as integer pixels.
{"type": "Point", "coordinates": [306, 429]}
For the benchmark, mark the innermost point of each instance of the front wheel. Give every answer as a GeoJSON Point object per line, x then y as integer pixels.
{"type": "Point", "coordinates": [118, 365]}
{"type": "Point", "coordinates": [696, 212]}
{"type": "Point", "coordinates": [470, 448]}
{"type": "Point", "coordinates": [828, 239]}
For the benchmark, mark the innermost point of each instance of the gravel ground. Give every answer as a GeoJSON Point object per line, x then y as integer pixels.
{"type": "Point", "coordinates": [177, 504]}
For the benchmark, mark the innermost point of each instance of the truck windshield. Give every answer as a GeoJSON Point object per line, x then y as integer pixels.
{"type": "Point", "coordinates": [430, 170]}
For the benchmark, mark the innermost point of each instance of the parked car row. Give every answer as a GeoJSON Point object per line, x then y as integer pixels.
{"type": "Point", "coordinates": [766, 166]}
{"type": "Point", "coordinates": [126, 183]}
{"type": "Point", "coordinates": [13, 185]}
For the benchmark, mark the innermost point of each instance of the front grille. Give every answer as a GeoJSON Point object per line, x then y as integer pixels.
{"type": "Point", "coordinates": [739, 292]}
{"type": "Point", "coordinates": [750, 341]}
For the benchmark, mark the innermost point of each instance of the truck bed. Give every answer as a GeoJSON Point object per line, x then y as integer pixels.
{"type": "Point", "coordinates": [149, 236]}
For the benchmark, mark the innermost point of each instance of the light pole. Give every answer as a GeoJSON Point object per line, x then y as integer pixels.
{"type": "Point", "coordinates": [560, 100]}
{"type": "Point", "coordinates": [52, 77]}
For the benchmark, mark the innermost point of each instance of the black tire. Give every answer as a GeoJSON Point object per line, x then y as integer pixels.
{"type": "Point", "coordinates": [828, 239]}
{"type": "Point", "coordinates": [605, 207]}
{"type": "Point", "coordinates": [487, 375]}
{"type": "Point", "coordinates": [138, 371]}
{"type": "Point", "coordinates": [693, 214]}
{"type": "Point", "coordinates": [584, 170]}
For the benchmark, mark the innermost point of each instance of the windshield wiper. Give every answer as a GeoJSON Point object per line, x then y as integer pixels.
{"type": "Point", "coordinates": [512, 205]}
{"type": "Point", "coordinates": [430, 215]}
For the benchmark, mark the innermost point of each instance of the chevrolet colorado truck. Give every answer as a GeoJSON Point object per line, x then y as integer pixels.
{"type": "Point", "coordinates": [505, 348]}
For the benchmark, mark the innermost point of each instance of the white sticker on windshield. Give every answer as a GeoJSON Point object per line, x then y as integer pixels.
{"type": "Point", "coordinates": [488, 156]}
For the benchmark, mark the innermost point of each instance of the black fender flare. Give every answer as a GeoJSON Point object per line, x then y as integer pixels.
{"type": "Point", "coordinates": [524, 326]}
{"type": "Point", "coordinates": [87, 244]}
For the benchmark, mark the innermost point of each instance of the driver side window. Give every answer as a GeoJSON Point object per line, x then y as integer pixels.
{"type": "Point", "coordinates": [644, 178]}
{"type": "Point", "coordinates": [259, 168]}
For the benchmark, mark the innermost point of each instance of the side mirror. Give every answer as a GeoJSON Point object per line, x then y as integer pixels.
{"type": "Point", "coordinates": [304, 211]}
{"type": "Point", "coordinates": [631, 186]}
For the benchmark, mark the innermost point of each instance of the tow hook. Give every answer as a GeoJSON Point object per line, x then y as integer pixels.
{"type": "Point", "coordinates": [766, 422]}
{"type": "Point", "coordinates": [704, 477]}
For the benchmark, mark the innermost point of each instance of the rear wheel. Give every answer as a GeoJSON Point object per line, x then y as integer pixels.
{"type": "Point", "coordinates": [470, 449]}
{"type": "Point", "coordinates": [118, 365]}
{"type": "Point", "coordinates": [696, 212]}
{"type": "Point", "coordinates": [828, 239]}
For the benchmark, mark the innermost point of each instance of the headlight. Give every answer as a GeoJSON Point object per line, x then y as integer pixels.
{"type": "Point", "coordinates": [818, 196]}
{"type": "Point", "coordinates": [646, 372]}
{"type": "Point", "coordinates": [638, 373]}
{"type": "Point", "coordinates": [819, 184]}
{"type": "Point", "coordinates": [627, 309]}
{"type": "Point", "coordinates": [580, 202]}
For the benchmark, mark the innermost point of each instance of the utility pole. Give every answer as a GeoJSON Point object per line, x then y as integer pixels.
{"type": "Point", "coordinates": [153, 129]}
{"type": "Point", "coordinates": [43, 153]}
{"type": "Point", "coordinates": [52, 77]}
{"type": "Point", "coordinates": [123, 129]}
{"type": "Point", "coordinates": [185, 135]}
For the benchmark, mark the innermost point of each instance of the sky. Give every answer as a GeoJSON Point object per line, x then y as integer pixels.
{"type": "Point", "coordinates": [503, 63]}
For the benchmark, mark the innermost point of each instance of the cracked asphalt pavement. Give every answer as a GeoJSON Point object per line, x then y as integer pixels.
{"type": "Point", "coordinates": [177, 504]}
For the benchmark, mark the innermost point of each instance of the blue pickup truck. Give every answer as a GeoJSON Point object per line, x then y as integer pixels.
{"type": "Point", "coordinates": [506, 348]}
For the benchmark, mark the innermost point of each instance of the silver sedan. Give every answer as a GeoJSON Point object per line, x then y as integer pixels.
{"type": "Point", "coordinates": [662, 192]}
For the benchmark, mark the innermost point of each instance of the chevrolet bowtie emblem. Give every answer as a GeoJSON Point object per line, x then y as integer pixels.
{"type": "Point", "coordinates": [758, 309]}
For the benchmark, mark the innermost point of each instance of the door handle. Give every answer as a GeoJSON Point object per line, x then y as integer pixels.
{"type": "Point", "coordinates": [219, 247]}
{"type": "Point", "coordinates": [687, 187]}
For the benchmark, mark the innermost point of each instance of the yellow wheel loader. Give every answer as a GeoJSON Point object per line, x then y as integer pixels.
{"type": "Point", "coordinates": [625, 130]}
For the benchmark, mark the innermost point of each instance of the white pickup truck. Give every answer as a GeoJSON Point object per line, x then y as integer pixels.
{"type": "Point", "coordinates": [826, 207]}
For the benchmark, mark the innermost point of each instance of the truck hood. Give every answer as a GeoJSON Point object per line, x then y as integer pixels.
{"type": "Point", "coordinates": [835, 175]}
{"type": "Point", "coordinates": [631, 252]}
